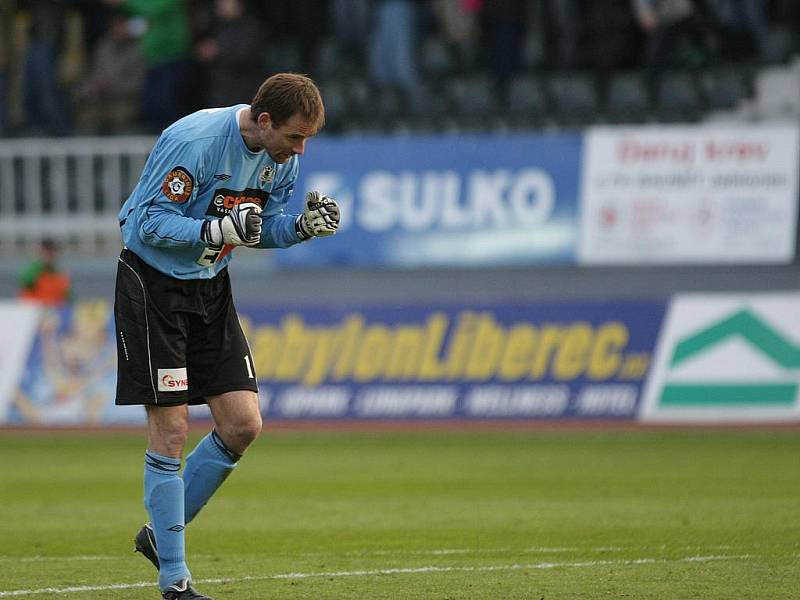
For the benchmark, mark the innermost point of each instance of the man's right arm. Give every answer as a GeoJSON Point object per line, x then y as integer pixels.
{"type": "Point", "coordinates": [170, 186]}
{"type": "Point", "coordinates": [166, 228]}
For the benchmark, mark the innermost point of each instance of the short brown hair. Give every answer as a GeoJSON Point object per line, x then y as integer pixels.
{"type": "Point", "coordinates": [285, 94]}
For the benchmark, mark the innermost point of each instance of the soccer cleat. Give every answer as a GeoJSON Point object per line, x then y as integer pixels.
{"type": "Point", "coordinates": [145, 542]}
{"type": "Point", "coordinates": [181, 590]}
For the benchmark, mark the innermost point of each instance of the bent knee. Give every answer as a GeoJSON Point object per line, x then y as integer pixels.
{"type": "Point", "coordinates": [239, 434]}
{"type": "Point", "coordinates": [248, 430]}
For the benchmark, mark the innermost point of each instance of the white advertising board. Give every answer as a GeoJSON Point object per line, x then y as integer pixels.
{"type": "Point", "coordinates": [18, 324]}
{"type": "Point", "coordinates": [689, 195]}
{"type": "Point", "coordinates": [727, 358]}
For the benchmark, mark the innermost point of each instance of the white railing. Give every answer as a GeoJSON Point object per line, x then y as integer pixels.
{"type": "Point", "coordinates": [67, 189]}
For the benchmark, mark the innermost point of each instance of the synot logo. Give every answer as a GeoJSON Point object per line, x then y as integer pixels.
{"type": "Point", "coordinates": [173, 380]}
{"type": "Point", "coordinates": [727, 358]}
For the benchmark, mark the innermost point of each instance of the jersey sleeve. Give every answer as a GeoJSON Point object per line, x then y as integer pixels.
{"type": "Point", "coordinates": [170, 187]}
{"type": "Point", "coordinates": [278, 228]}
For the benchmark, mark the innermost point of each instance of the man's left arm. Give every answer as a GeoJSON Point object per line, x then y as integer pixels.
{"type": "Point", "coordinates": [320, 216]}
{"type": "Point", "coordinates": [277, 228]}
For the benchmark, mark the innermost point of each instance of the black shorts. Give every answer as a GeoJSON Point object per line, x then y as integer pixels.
{"type": "Point", "coordinates": [178, 341]}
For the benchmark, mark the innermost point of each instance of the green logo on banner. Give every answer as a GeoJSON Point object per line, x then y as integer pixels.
{"type": "Point", "coordinates": [763, 338]}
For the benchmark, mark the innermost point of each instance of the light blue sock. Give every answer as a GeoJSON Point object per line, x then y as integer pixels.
{"type": "Point", "coordinates": [163, 498]}
{"type": "Point", "coordinates": [207, 467]}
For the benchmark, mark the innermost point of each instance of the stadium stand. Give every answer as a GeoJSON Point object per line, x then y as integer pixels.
{"type": "Point", "coordinates": [725, 87]}
{"type": "Point", "coordinates": [712, 73]}
{"type": "Point", "coordinates": [776, 92]}
{"type": "Point", "coordinates": [627, 98]}
{"type": "Point", "coordinates": [475, 102]}
{"type": "Point", "coordinates": [574, 99]}
{"type": "Point", "coordinates": [527, 104]}
{"type": "Point", "coordinates": [678, 99]}
{"type": "Point", "coordinates": [81, 179]}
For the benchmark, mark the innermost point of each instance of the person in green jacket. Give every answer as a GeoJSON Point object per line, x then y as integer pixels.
{"type": "Point", "coordinates": [166, 47]}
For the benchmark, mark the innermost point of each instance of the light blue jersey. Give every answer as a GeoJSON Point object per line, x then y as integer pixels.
{"type": "Point", "coordinates": [199, 169]}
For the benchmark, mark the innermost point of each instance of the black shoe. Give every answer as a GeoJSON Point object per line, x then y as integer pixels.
{"type": "Point", "coordinates": [145, 542]}
{"type": "Point", "coordinates": [181, 590]}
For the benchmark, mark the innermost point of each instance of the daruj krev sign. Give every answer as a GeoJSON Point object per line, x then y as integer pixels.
{"type": "Point", "coordinates": [690, 194]}
{"type": "Point", "coordinates": [503, 360]}
{"type": "Point", "coordinates": [472, 200]}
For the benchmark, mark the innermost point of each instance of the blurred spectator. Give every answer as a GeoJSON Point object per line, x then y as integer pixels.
{"type": "Point", "coordinates": [6, 51]}
{"type": "Point", "coordinates": [743, 28]}
{"type": "Point", "coordinates": [166, 47]}
{"type": "Point", "coordinates": [295, 31]}
{"type": "Point", "coordinates": [613, 41]}
{"type": "Point", "coordinates": [42, 280]}
{"type": "Point", "coordinates": [96, 18]}
{"type": "Point", "coordinates": [505, 33]}
{"type": "Point", "coordinates": [45, 102]}
{"type": "Point", "coordinates": [458, 22]}
{"type": "Point", "coordinates": [229, 53]}
{"type": "Point", "coordinates": [350, 20]}
{"type": "Point", "coordinates": [563, 20]}
{"type": "Point", "coordinates": [108, 99]}
{"type": "Point", "coordinates": [392, 49]}
{"type": "Point", "coordinates": [671, 32]}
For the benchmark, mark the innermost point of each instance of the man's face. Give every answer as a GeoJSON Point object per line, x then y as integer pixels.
{"type": "Point", "coordinates": [283, 142]}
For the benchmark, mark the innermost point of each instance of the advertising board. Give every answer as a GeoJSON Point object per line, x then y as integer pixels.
{"type": "Point", "coordinates": [541, 360]}
{"type": "Point", "coordinates": [671, 195]}
{"type": "Point", "coordinates": [19, 322]}
{"type": "Point", "coordinates": [726, 358]}
{"type": "Point", "coordinates": [445, 201]}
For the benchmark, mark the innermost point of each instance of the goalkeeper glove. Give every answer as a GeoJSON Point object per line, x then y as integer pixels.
{"type": "Point", "coordinates": [240, 227]}
{"type": "Point", "coordinates": [320, 217]}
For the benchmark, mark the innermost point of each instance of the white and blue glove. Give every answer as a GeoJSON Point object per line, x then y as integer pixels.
{"type": "Point", "coordinates": [240, 227]}
{"type": "Point", "coordinates": [320, 217]}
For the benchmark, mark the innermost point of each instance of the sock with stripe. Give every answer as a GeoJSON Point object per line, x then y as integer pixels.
{"type": "Point", "coordinates": [208, 465]}
{"type": "Point", "coordinates": [163, 498]}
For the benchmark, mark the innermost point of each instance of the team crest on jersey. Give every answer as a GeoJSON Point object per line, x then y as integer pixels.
{"type": "Point", "coordinates": [267, 174]}
{"type": "Point", "coordinates": [178, 185]}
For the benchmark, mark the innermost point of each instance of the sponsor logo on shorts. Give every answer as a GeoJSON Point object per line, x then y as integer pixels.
{"type": "Point", "coordinates": [178, 185]}
{"type": "Point", "coordinates": [173, 380]}
{"type": "Point", "coordinates": [224, 200]}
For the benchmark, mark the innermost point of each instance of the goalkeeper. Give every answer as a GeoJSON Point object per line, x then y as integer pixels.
{"type": "Point", "coordinates": [216, 179]}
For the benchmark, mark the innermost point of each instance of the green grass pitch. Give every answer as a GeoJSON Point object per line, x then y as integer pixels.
{"type": "Point", "coordinates": [665, 514]}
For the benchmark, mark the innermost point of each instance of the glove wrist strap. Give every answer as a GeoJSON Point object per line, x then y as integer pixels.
{"type": "Point", "coordinates": [299, 229]}
{"type": "Point", "coordinates": [207, 236]}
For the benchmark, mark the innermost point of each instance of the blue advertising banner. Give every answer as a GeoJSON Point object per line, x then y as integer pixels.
{"type": "Point", "coordinates": [542, 360]}
{"type": "Point", "coordinates": [539, 360]}
{"type": "Point", "coordinates": [445, 201]}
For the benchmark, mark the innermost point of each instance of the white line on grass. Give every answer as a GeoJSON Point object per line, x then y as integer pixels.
{"type": "Point", "coordinates": [530, 550]}
{"type": "Point", "coordinates": [379, 572]}
{"type": "Point", "coordinates": [25, 559]}
{"type": "Point", "coordinates": [402, 553]}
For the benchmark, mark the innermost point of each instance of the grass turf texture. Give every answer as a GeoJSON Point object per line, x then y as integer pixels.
{"type": "Point", "coordinates": [641, 514]}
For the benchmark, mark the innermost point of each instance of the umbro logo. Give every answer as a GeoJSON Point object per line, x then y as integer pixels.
{"type": "Point", "coordinates": [222, 176]}
{"type": "Point", "coordinates": [176, 528]}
